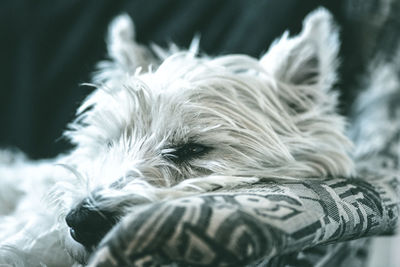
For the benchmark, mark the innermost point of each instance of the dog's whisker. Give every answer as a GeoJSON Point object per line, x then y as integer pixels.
{"type": "Point", "coordinates": [78, 176]}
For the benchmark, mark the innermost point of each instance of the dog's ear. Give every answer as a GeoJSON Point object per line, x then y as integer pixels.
{"type": "Point", "coordinates": [121, 44]}
{"type": "Point", "coordinates": [125, 54]}
{"type": "Point", "coordinates": [309, 58]}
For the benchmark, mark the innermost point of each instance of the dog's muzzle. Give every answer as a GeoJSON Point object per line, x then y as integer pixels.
{"type": "Point", "coordinates": [88, 224]}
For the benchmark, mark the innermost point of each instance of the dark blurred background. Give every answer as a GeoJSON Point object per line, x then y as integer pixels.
{"type": "Point", "coordinates": [49, 47]}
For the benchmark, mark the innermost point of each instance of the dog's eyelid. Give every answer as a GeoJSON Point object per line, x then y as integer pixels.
{"type": "Point", "coordinates": [185, 152]}
{"type": "Point", "coordinates": [195, 148]}
{"type": "Point", "coordinates": [168, 150]}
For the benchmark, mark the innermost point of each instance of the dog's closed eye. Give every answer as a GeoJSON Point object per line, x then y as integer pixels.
{"type": "Point", "coordinates": [185, 152]}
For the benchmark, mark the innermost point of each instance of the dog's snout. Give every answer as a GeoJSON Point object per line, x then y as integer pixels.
{"type": "Point", "coordinates": [88, 224]}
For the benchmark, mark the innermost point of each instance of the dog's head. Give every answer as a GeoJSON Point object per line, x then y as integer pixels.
{"type": "Point", "coordinates": [158, 117]}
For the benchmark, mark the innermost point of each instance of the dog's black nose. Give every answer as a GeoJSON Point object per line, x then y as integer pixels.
{"type": "Point", "coordinates": [88, 224]}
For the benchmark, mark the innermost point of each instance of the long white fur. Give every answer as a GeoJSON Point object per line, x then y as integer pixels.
{"type": "Point", "coordinates": [274, 117]}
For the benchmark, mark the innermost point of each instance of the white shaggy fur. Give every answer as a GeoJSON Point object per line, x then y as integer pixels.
{"type": "Point", "coordinates": [274, 117]}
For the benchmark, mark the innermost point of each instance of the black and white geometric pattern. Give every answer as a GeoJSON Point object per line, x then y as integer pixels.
{"type": "Point", "coordinates": [253, 223]}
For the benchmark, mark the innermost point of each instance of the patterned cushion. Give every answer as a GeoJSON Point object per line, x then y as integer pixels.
{"type": "Point", "coordinates": [261, 221]}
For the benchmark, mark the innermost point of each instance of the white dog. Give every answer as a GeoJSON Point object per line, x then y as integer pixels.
{"type": "Point", "coordinates": [167, 123]}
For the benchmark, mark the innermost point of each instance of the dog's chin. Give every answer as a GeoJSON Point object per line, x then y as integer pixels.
{"type": "Point", "coordinates": [76, 251]}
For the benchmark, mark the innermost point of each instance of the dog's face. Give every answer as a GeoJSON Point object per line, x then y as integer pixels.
{"type": "Point", "coordinates": [188, 116]}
